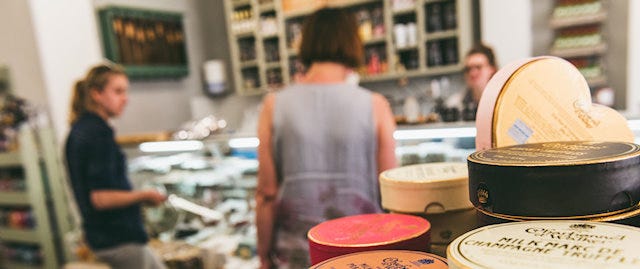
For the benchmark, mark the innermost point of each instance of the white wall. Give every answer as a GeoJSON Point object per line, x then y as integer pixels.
{"type": "Point", "coordinates": [67, 43]}
{"type": "Point", "coordinates": [58, 41]}
{"type": "Point", "coordinates": [19, 51]}
{"type": "Point", "coordinates": [633, 60]}
{"type": "Point", "coordinates": [506, 26]}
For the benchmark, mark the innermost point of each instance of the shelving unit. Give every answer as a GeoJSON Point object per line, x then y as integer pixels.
{"type": "Point", "coordinates": [443, 33]}
{"type": "Point", "coordinates": [44, 197]}
{"type": "Point", "coordinates": [579, 38]}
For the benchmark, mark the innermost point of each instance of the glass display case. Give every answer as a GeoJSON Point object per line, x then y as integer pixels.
{"type": "Point", "coordinates": [213, 183]}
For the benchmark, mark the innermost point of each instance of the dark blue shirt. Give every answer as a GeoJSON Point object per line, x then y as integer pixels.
{"type": "Point", "coordinates": [96, 162]}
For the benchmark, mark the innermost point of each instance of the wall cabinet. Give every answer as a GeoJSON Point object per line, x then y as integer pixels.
{"type": "Point", "coordinates": [587, 33]}
{"type": "Point", "coordinates": [579, 37]}
{"type": "Point", "coordinates": [402, 38]}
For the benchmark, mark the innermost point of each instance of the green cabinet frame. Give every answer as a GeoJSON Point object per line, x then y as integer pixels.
{"type": "Point", "coordinates": [148, 43]}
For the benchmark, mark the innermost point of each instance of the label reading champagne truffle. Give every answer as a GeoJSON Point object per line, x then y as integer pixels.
{"type": "Point", "coordinates": [557, 153]}
{"type": "Point", "coordinates": [548, 244]}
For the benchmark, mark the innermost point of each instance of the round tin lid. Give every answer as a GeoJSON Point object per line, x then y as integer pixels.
{"type": "Point", "coordinates": [543, 99]}
{"type": "Point", "coordinates": [547, 244]}
{"type": "Point", "coordinates": [569, 153]}
{"type": "Point", "coordinates": [427, 175]}
{"type": "Point", "coordinates": [368, 230]}
{"type": "Point", "coordinates": [385, 259]}
{"type": "Point", "coordinates": [425, 188]}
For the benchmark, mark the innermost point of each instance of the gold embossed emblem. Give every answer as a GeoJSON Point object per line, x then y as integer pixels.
{"type": "Point", "coordinates": [483, 195]}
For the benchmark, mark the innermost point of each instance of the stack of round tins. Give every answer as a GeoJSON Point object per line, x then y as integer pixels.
{"type": "Point", "coordinates": [385, 259]}
{"type": "Point", "coordinates": [367, 232]}
{"type": "Point", "coordinates": [556, 179]}
{"type": "Point", "coordinates": [543, 99]}
{"type": "Point", "coordinates": [547, 244]}
{"type": "Point", "coordinates": [438, 192]}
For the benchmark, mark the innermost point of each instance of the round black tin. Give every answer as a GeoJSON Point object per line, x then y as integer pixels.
{"type": "Point", "coordinates": [555, 179]}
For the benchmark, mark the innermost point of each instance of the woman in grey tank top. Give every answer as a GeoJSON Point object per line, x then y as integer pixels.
{"type": "Point", "coordinates": [323, 142]}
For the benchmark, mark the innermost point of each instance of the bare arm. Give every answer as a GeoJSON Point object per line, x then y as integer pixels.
{"type": "Point", "coordinates": [110, 199]}
{"type": "Point", "coordinates": [385, 126]}
{"type": "Point", "coordinates": [267, 184]}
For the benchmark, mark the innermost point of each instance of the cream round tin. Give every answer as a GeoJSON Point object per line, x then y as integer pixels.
{"type": "Point", "coordinates": [548, 245]}
{"type": "Point", "coordinates": [425, 188]}
{"type": "Point", "coordinates": [543, 99]}
{"type": "Point", "coordinates": [556, 179]}
{"type": "Point", "coordinates": [385, 259]}
{"type": "Point", "coordinates": [367, 232]}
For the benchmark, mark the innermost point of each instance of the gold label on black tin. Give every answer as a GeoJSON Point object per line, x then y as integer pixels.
{"type": "Point", "coordinates": [557, 153]}
{"type": "Point", "coordinates": [483, 194]}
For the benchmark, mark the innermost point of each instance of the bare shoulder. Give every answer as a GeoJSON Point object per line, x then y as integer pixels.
{"type": "Point", "coordinates": [268, 102]}
{"type": "Point", "coordinates": [379, 100]}
{"type": "Point", "coordinates": [269, 98]}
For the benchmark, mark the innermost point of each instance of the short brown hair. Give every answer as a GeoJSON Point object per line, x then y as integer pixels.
{"type": "Point", "coordinates": [331, 35]}
{"type": "Point", "coordinates": [485, 50]}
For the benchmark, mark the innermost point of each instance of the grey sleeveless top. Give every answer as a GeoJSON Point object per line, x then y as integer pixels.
{"type": "Point", "coordinates": [325, 153]}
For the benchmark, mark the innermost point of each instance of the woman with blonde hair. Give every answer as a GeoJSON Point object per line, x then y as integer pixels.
{"type": "Point", "coordinates": [112, 221]}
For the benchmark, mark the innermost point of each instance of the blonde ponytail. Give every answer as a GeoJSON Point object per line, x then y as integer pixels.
{"type": "Point", "coordinates": [96, 79]}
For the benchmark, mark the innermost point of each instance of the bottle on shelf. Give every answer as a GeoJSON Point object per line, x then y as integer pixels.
{"type": "Point", "coordinates": [365, 27]}
{"type": "Point", "coordinates": [434, 18]}
{"type": "Point", "coordinates": [434, 54]}
{"type": "Point", "coordinates": [449, 15]}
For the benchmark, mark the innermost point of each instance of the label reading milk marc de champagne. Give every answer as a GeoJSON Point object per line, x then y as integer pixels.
{"type": "Point", "coordinates": [548, 245]}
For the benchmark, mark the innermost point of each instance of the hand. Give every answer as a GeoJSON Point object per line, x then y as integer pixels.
{"type": "Point", "coordinates": [154, 198]}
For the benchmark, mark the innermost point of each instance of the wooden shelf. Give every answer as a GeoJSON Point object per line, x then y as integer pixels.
{"type": "Point", "coordinates": [429, 71]}
{"type": "Point", "coordinates": [270, 36]}
{"type": "Point", "coordinates": [375, 40]}
{"type": "Point", "coordinates": [14, 198]}
{"type": "Point", "coordinates": [445, 69]}
{"type": "Point", "coordinates": [273, 65]}
{"type": "Point", "coordinates": [407, 48]}
{"type": "Point", "coordinates": [339, 4]}
{"type": "Point", "coordinates": [248, 64]}
{"type": "Point", "coordinates": [578, 52]}
{"type": "Point", "coordinates": [578, 20]}
{"type": "Point", "coordinates": [269, 7]}
{"type": "Point", "coordinates": [238, 3]}
{"type": "Point", "coordinates": [391, 76]}
{"type": "Point", "coordinates": [10, 159]}
{"type": "Point", "coordinates": [441, 35]}
{"type": "Point", "coordinates": [22, 236]}
{"type": "Point", "coordinates": [404, 11]}
{"type": "Point", "coordinates": [244, 34]}
{"type": "Point", "coordinates": [16, 265]}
